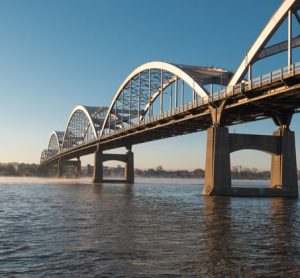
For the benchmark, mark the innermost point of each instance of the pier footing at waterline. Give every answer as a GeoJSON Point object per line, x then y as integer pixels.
{"type": "Point", "coordinates": [280, 145]}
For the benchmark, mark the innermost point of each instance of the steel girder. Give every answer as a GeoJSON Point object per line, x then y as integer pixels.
{"type": "Point", "coordinates": [55, 142]}
{"type": "Point", "coordinates": [133, 100]}
{"type": "Point", "coordinates": [258, 50]}
{"type": "Point", "coordinates": [43, 156]}
{"type": "Point", "coordinates": [54, 145]}
{"type": "Point", "coordinates": [150, 82]}
{"type": "Point", "coordinates": [83, 125]}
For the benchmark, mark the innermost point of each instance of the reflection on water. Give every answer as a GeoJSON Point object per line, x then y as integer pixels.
{"type": "Point", "coordinates": [156, 228]}
{"type": "Point", "coordinates": [218, 237]}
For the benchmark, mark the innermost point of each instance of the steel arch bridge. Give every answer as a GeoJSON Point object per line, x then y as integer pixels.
{"type": "Point", "coordinates": [152, 89]}
{"type": "Point", "coordinates": [159, 100]}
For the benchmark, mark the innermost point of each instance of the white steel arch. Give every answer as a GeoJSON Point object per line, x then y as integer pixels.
{"type": "Point", "coordinates": [55, 142]}
{"type": "Point", "coordinates": [58, 136]}
{"type": "Point", "coordinates": [272, 26]}
{"type": "Point", "coordinates": [87, 114]}
{"type": "Point", "coordinates": [91, 124]}
{"type": "Point", "coordinates": [195, 77]}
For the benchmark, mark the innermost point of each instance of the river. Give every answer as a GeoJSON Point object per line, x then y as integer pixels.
{"type": "Point", "coordinates": [155, 228]}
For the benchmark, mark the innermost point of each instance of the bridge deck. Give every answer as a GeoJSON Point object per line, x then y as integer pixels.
{"type": "Point", "coordinates": [273, 93]}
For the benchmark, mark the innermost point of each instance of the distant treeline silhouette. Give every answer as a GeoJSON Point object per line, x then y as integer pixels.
{"type": "Point", "coordinates": [30, 170]}
{"type": "Point", "coordinates": [18, 169]}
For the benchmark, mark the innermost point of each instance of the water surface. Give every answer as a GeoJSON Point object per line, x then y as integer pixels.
{"type": "Point", "coordinates": [156, 228]}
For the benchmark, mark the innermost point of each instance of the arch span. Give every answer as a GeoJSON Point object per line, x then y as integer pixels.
{"type": "Point", "coordinates": [55, 142]}
{"type": "Point", "coordinates": [258, 51]}
{"type": "Point", "coordinates": [43, 156]}
{"type": "Point", "coordinates": [83, 125]}
{"type": "Point", "coordinates": [148, 82]}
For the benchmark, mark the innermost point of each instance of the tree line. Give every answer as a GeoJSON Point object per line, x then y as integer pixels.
{"type": "Point", "coordinates": [31, 170]}
{"type": "Point", "coordinates": [19, 169]}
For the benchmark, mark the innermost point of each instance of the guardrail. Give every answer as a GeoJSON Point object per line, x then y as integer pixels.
{"type": "Point", "coordinates": [269, 78]}
{"type": "Point", "coordinates": [259, 81]}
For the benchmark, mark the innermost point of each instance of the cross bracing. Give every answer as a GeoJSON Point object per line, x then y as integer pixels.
{"type": "Point", "coordinates": [152, 88]}
{"type": "Point", "coordinates": [83, 126]}
{"type": "Point", "coordinates": [55, 142]}
{"type": "Point", "coordinates": [43, 156]}
{"type": "Point", "coordinates": [156, 87]}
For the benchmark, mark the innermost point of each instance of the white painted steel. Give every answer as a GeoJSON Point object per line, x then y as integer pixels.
{"type": "Point", "coordinates": [271, 27]}
{"type": "Point", "coordinates": [84, 110]}
{"type": "Point", "coordinates": [54, 133]}
{"type": "Point", "coordinates": [180, 71]}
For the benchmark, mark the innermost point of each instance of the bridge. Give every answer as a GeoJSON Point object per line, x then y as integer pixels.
{"type": "Point", "coordinates": [160, 100]}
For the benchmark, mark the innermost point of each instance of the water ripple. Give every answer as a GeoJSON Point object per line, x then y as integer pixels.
{"type": "Point", "coordinates": [151, 229]}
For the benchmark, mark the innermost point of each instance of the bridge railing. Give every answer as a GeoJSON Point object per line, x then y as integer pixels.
{"type": "Point", "coordinates": [276, 75]}
{"type": "Point", "coordinates": [272, 77]}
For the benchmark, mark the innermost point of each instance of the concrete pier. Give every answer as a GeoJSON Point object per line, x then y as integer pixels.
{"type": "Point", "coordinates": [62, 163]}
{"type": "Point", "coordinates": [98, 167]}
{"type": "Point", "coordinates": [129, 167]}
{"type": "Point", "coordinates": [217, 167]}
{"type": "Point", "coordinates": [281, 145]}
{"type": "Point", "coordinates": [60, 168]}
{"type": "Point", "coordinates": [101, 157]}
{"type": "Point", "coordinates": [284, 164]}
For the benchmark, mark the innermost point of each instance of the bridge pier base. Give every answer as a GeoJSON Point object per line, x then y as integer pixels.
{"type": "Point", "coordinates": [98, 167]}
{"type": "Point", "coordinates": [284, 165]}
{"type": "Point", "coordinates": [101, 157]}
{"type": "Point", "coordinates": [281, 145]}
{"type": "Point", "coordinates": [60, 168]}
{"type": "Point", "coordinates": [78, 168]}
{"type": "Point", "coordinates": [217, 168]}
{"type": "Point", "coordinates": [129, 167]}
{"type": "Point", "coordinates": [62, 163]}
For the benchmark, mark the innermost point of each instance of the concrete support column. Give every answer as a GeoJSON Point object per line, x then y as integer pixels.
{"type": "Point", "coordinates": [98, 167]}
{"type": "Point", "coordinates": [217, 169]}
{"type": "Point", "coordinates": [284, 165]}
{"type": "Point", "coordinates": [78, 168]}
{"type": "Point", "coordinates": [60, 168]}
{"type": "Point", "coordinates": [129, 167]}
{"type": "Point", "coordinates": [101, 157]}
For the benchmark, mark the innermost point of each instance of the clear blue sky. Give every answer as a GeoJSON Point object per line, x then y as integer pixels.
{"type": "Point", "coordinates": [57, 54]}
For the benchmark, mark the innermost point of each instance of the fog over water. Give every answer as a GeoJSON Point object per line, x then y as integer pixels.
{"type": "Point", "coordinates": [155, 228]}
